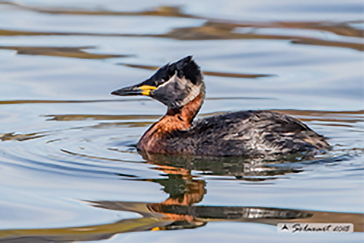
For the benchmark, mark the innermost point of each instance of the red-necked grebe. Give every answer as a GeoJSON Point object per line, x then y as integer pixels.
{"type": "Point", "coordinates": [180, 87]}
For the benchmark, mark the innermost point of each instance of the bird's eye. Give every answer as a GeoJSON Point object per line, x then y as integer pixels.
{"type": "Point", "coordinates": [159, 82]}
{"type": "Point", "coordinates": [162, 81]}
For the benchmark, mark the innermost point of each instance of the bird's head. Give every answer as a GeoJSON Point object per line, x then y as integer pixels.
{"type": "Point", "coordinates": [174, 84]}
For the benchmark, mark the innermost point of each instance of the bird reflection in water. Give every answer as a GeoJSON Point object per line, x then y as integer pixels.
{"type": "Point", "coordinates": [179, 211]}
{"type": "Point", "coordinates": [185, 189]}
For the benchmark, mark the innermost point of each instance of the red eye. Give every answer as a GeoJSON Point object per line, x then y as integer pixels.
{"type": "Point", "coordinates": [160, 81]}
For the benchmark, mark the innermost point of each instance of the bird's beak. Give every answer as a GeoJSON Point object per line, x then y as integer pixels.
{"type": "Point", "coordinates": [139, 89]}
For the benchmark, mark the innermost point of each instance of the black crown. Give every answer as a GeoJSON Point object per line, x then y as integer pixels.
{"type": "Point", "coordinates": [185, 67]}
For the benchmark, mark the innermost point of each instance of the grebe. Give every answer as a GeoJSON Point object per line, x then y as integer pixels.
{"type": "Point", "coordinates": [180, 87]}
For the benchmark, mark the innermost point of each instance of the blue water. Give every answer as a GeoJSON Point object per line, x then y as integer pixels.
{"type": "Point", "coordinates": [69, 170]}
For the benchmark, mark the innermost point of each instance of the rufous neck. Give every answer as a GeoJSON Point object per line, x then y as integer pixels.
{"type": "Point", "coordinates": [189, 111]}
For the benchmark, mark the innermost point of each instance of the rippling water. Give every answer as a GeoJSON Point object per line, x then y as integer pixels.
{"type": "Point", "coordinates": [69, 170]}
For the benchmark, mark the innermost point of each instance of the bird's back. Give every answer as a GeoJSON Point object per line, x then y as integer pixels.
{"type": "Point", "coordinates": [246, 133]}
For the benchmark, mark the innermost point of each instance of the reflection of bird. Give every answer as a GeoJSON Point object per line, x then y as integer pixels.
{"type": "Point", "coordinates": [245, 133]}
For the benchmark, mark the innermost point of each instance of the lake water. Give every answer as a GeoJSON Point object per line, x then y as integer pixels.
{"type": "Point", "coordinates": [69, 170]}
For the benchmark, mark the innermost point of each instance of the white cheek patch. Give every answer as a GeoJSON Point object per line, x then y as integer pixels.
{"type": "Point", "coordinates": [193, 91]}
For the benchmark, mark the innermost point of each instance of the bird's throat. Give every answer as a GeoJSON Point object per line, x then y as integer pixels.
{"type": "Point", "coordinates": [175, 119]}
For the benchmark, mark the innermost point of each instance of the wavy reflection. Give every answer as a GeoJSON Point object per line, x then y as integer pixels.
{"type": "Point", "coordinates": [20, 137]}
{"type": "Point", "coordinates": [330, 118]}
{"type": "Point", "coordinates": [219, 29]}
{"type": "Point", "coordinates": [246, 169]}
{"type": "Point", "coordinates": [210, 31]}
{"type": "Point", "coordinates": [178, 211]}
{"type": "Point", "coordinates": [165, 11]}
{"type": "Point", "coordinates": [184, 180]}
{"type": "Point", "coordinates": [326, 118]}
{"type": "Point", "coordinates": [19, 102]}
{"type": "Point", "coordinates": [73, 52]}
{"type": "Point", "coordinates": [194, 216]}
{"type": "Point", "coordinates": [226, 31]}
{"type": "Point", "coordinates": [343, 29]}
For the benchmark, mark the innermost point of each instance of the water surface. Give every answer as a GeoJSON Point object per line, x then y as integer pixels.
{"type": "Point", "coordinates": [69, 170]}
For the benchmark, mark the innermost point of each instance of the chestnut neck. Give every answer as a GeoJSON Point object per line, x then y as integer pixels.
{"type": "Point", "coordinates": [175, 119]}
{"type": "Point", "coordinates": [188, 112]}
